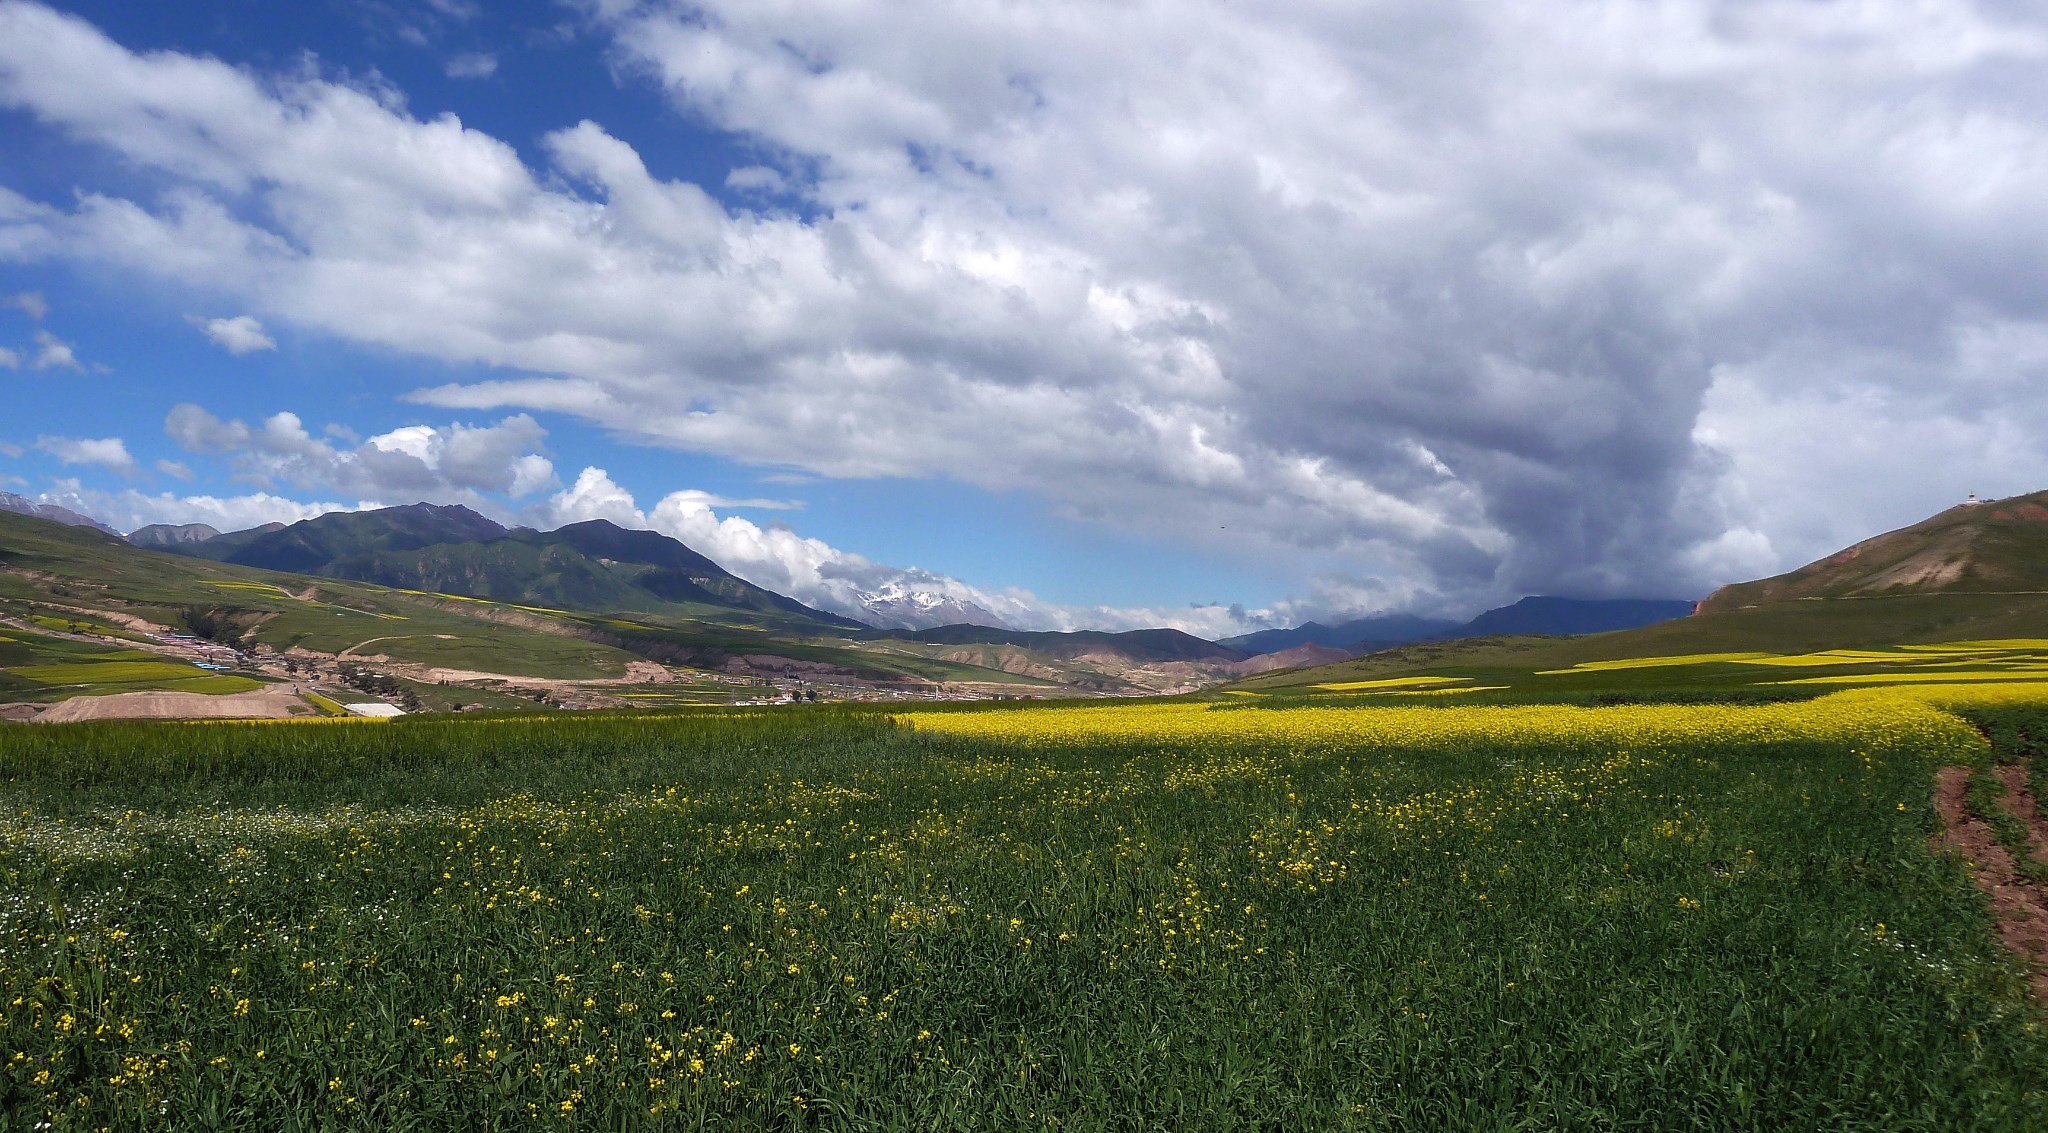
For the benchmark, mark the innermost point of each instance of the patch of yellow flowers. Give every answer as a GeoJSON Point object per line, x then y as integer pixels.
{"type": "Point", "coordinates": [1889, 720]}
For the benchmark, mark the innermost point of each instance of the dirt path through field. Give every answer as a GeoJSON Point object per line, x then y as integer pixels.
{"type": "Point", "coordinates": [350, 652]}
{"type": "Point", "coordinates": [2021, 909]}
{"type": "Point", "coordinates": [2020, 803]}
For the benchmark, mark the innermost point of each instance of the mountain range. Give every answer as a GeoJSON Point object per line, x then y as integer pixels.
{"type": "Point", "coordinates": [894, 605]}
{"type": "Point", "coordinates": [21, 505]}
{"type": "Point", "coordinates": [429, 586]}
{"type": "Point", "coordinates": [1546, 616]}
{"type": "Point", "coordinates": [594, 566]}
{"type": "Point", "coordinates": [599, 567]}
{"type": "Point", "coordinates": [175, 534]}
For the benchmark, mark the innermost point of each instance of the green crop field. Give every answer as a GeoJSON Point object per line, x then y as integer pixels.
{"type": "Point", "coordinates": [1549, 670]}
{"type": "Point", "coordinates": [1174, 915]}
{"type": "Point", "coordinates": [35, 667]}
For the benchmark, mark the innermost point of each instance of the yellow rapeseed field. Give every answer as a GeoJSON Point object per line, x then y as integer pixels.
{"type": "Point", "coordinates": [1901, 722]}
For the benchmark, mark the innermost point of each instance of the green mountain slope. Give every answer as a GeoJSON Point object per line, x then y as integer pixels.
{"type": "Point", "coordinates": [594, 566]}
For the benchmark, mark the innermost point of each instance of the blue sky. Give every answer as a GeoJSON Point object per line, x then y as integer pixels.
{"type": "Point", "coordinates": [143, 353]}
{"type": "Point", "coordinates": [1083, 314]}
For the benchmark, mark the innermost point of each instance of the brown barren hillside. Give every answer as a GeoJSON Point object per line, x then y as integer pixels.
{"type": "Point", "coordinates": [1991, 547]}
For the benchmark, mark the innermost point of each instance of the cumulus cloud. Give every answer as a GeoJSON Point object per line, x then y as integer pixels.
{"type": "Point", "coordinates": [9, 360]}
{"type": "Point", "coordinates": [107, 452]}
{"type": "Point", "coordinates": [53, 353]}
{"type": "Point", "coordinates": [453, 463]}
{"type": "Point", "coordinates": [1458, 298]}
{"type": "Point", "coordinates": [239, 335]}
{"type": "Point", "coordinates": [30, 303]}
{"type": "Point", "coordinates": [129, 509]}
{"type": "Point", "coordinates": [819, 574]}
{"type": "Point", "coordinates": [472, 65]}
{"type": "Point", "coordinates": [174, 469]}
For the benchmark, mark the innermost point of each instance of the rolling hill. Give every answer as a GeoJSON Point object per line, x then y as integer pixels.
{"type": "Point", "coordinates": [1997, 547]}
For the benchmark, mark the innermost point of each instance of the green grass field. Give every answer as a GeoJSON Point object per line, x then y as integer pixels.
{"type": "Point", "coordinates": [1119, 917]}
{"type": "Point", "coordinates": [39, 668]}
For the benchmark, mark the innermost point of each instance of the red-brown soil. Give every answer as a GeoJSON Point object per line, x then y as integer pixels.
{"type": "Point", "coordinates": [2021, 908]}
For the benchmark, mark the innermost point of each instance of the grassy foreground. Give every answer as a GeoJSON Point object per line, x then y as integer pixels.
{"type": "Point", "coordinates": [1115, 917]}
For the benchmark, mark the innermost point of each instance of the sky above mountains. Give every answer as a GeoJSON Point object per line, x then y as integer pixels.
{"type": "Point", "coordinates": [1204, 314]}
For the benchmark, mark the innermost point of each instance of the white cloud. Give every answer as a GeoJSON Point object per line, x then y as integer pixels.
{"type": "Point", "coordinates": [129, 509]}
{"type": "Point", "coordinates": [1439, 294]}
{"type": "Point", "coordinates": [239, 335]}
{"type": "Point", "coordinates": [756, 179]}
{"type": "Point", "coordinates": [9, 360]}
{"type": "Point", "coordinates": [10, 450]}
{"type": "Point", "coordinates": [53, 353]}
{"type": "Point", "coordinates": [707, 499]}
{"type": "Point", "coordinates": [472, 65]}
{"type": "Point", "coordinates": [174, 469]}
{"type": "Point", "coordinates": [107, 452]}
{"type": "Point", "coordinates": [30, 303]}
{"type": "Point", "coordinates": [453, 463]}
{"type": "Point", "coordinates": [594, 496]}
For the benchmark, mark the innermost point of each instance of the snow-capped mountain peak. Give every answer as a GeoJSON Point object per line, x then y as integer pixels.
{"type": "Point", "coordinates": [894, 605]}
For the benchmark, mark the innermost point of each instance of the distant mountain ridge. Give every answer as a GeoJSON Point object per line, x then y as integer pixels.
{"type": "Point", "coordinates": [594, 566]}
{"type": "Point", "coordinates": [1390, 628]}
{"type": "Point", "coordinates": [172, 534]}
{"type": "Point", "coordinates": [1569, 617]}
{"type": "Point", "coordinates": [894, 605]}
{"type": "Point", "coordinates": [1130, 645]}
{"type": "Point", "coordinates": [1541, 615]}
{"type": "Point", "coordinates": [22, 505]}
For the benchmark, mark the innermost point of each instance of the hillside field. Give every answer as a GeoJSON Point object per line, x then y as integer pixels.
{"type": "Point", "coordinates": [1159, 915]}
{"type": "Point", "coordinates": [40, 668]}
